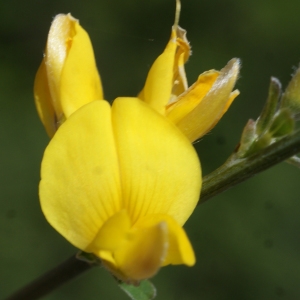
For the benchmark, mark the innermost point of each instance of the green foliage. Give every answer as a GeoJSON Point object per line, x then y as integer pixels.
{"type": "Point", "coordinates": [276, 120]}
{"type": "Point", "coordinates": [291, 96]}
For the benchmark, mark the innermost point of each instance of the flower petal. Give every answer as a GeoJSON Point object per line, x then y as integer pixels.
{"type": "Point", "coordinates": [166, 78]}
{"type": "Point", "coordinates": [159, 168]}
{"type": "Point", "coordinates": [141, 257]}
{"type": "Point", "coordinates": [159, 82]}
{"type": "Point", "coordinates": [202, 118]}
{"type": "Point", "coordinates": [80, 81]}
{"type": "Point", "coordinates": [71, 68]}
{"type": "Point", "coordinates": [80, 185]}
{"type": "Point", "coordinates": [56, 52]}
{"type": "Point", "coordinates": [43, 100]}
{"type": "Point", "coordinates": [185, 103]}
{"type": "Point", "coordinates": [155, 241]}
{"type": "Point", "coordinates": [232, 96]}
{"type": "Point", "coordinates": [112, 234]}
{"type": "Point", "coordinates": [183, 53]}
{"type": "Point", "coordinates": [180, 250]}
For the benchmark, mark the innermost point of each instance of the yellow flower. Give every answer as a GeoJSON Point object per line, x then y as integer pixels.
{"type": "Point", "coordinates": [68, 76]}
{"type": "Point", "coordinates": [120, 181]}
{"type": "Point", "coordinates": [195, 109]}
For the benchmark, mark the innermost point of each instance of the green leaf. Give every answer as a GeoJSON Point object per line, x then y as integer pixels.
{"type": "Point", "coordinates": [291, 96]}
{"type": "Point", "coordinates": [269, 109]}
{"type": "Point", "coordinates": [248, 137]}
{"type": "Point", "coordinates": [144, 291]}
{"type": "Point", "coordinates": [282, 124]}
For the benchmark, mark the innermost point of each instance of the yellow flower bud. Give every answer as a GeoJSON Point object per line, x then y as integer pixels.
{"type": "Point", "coordinates": [68, 77]}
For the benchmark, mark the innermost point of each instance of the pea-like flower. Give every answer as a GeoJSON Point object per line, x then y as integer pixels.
{"type": "Point", "coordinates": [195, 109]}
{"type": "Point", "coordinates": [120, 181]}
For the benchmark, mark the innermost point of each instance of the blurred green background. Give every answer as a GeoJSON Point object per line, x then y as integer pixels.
{"type": "Point", "coordinates": [247, 239]}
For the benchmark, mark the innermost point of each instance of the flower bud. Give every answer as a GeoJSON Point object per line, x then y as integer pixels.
{"type": "Point", "coordinates": [68, 77]}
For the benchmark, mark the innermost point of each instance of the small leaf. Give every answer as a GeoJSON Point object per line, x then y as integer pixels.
{"type": "Point", "coordinates": [283, 124]}
{"type": "Point", "coordinates": [291, 96]}
{"type": "Point", "coordinates": [144, 291]}
{"type": "Point", "coordinates": [260, 143]}
{"type": "Point", "coordinates": [269, 109]}
{"type": "Point", "coordinates": [248, 137]}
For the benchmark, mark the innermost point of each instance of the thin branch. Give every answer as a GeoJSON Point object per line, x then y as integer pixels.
{"type": "Point", "coordinates": [51, 280]}
{"type": "Point", "coordinates": [234, 171]}
{"type": "Point", "coordinates": [237, 170]}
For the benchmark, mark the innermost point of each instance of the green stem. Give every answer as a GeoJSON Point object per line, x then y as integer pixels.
{"type": "Point", "coordinates": [51, 280]}
{"type": "Point", "coordinates": [234, 171]}
{"type": "Point", "coordinates": [237, 170]}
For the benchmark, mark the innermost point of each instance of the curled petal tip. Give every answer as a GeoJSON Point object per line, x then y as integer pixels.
{"type": "Point", "coordinates": [232, 68]}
